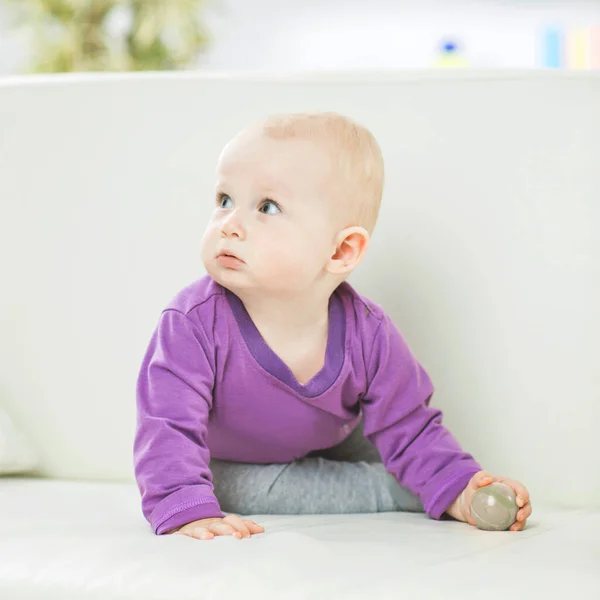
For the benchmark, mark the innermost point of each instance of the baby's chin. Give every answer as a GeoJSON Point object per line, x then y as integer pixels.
{"type": "Point", "coordinates": [234, 280]}
{"type": "Point", "coordinates": [246, 284]}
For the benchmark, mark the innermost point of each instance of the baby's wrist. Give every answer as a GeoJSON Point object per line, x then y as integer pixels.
{"type": "Point", "coordinates": [456, 509]}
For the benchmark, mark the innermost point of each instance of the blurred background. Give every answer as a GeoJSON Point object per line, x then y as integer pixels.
{"type": "Point", "coordinates": [293, 35]}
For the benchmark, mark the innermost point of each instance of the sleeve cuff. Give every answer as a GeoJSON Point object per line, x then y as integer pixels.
{"type": "Point", "coordinates": [187, 504]}
{"type": "Point", "coordinates": [445, 496]}
{"type": "Point", "coordinates": [187, 515]}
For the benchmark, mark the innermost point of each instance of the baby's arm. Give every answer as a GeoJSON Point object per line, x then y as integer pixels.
{"type": "Point", "coordinates": [174, 398]}
{"type": "Point", "coordinates": [414, 444]}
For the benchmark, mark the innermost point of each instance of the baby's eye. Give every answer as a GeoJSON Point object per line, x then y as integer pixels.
{"type": "Point", "coordinates": [225, 201]}
{"type": "Point", "coordinates": [269, 208]}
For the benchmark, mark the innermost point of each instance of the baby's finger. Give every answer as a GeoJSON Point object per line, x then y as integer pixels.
{"type": "Point", "coordinates": [481, 479]}
{"type": "Point", "coordinates": [221, 528]}
{"type": "Point", "coordinates": [524, 513]}
{"type": "Point", "coordinates": [254, 527]}
{"type": "Point", "coordinates": [200, 533]}
{"type": "Point", "coordinates": [519, 489]}
{"type": "Point", "coordinates": [237, 524]}
{"type": "Point", "coordinates": [517, 526]}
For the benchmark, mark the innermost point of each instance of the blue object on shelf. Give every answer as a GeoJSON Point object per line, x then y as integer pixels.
{"type": "Point", "coordinates": [449, 47]}
{"type": "Point", "coordinates": [450, 54]}
{"type": "Point", "coordinates": [552, 48]}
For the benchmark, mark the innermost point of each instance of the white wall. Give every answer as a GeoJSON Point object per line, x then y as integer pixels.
{"type": "Point", "coordinates": [316, 34]}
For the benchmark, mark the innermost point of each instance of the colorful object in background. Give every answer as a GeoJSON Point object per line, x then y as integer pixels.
{"type": "Point", "coordinates": [575, 48]}
{"type": "Point", "coordinates": [112, 35]}
{"type": "Point", "coordinates": [450, 55]}
{"type": "Point", "coordinates": [579, 48]}
{"type": "Point", "coordinates": [596, 47]}
{"type": "Point", "coordinates": [552, 53]}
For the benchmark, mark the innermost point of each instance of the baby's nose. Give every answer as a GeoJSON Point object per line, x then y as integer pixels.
{"type": "Point", "coordinates": [233, 227]}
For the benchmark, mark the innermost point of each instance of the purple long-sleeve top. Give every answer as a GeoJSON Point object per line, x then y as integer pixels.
{"type": "Point", "coordinates": [210, 386]}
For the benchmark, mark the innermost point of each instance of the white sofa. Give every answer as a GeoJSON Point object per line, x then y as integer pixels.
{"type": "Point", "coordinates": [487, 255]}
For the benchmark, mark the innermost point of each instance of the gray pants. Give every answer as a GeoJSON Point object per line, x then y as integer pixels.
{"type": "Point", "coordinates": [348, 478]}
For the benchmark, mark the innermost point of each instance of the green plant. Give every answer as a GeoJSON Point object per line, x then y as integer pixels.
{"type": "Point", "coordinates": [112, 35]}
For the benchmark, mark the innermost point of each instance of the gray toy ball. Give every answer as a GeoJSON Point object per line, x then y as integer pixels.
{"type": "Point", "coordinates": [494, 507]}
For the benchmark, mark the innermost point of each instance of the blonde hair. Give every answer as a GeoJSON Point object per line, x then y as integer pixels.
{"type": "Point", "coordinates": [356, 158]}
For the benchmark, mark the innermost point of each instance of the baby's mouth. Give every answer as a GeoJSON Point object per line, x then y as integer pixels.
{"type": "Point", "coordinates": [229, 254]}
{"type": "Point", "coordinates": [229, 259]}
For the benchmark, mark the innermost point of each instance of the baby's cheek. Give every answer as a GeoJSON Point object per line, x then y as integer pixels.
{"type": "Point", "coordinates": [286, 263]}
{"type": "Point", "coordinates": [212, 233]}
{"type": "Point", "coordinates": [281, 263]}
{"type": "Point", "coordinates": [209, 242]}
{"type": "Point", "coordinates": [205, 244]}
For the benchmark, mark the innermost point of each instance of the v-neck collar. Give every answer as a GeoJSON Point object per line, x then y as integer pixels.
{"type": "Point", "coordinates": [270, 362]}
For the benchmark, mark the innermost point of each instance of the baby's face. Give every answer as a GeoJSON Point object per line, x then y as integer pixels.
{"type": "Point", "coordinates": [273, 212]}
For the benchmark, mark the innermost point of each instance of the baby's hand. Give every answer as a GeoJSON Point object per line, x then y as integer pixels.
{"type": "Point", "coordinates": [460, 509]}
{"type": "Point", "coordinates": [207, 529]}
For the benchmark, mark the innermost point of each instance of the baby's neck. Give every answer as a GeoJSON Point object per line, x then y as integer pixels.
{"type": "Point", "coordinates": [296, 317]}
{"type": "Point", "coordinates": [296, 330]}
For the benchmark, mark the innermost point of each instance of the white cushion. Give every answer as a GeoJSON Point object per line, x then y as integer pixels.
{"type": "Point", "coordinates": [74, 540]}
{"type": "Point", "coordinates": [16, 453]}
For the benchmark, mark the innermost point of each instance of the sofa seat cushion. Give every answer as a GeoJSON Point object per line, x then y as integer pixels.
{"type": "Point", "coordinates": [73, 540]}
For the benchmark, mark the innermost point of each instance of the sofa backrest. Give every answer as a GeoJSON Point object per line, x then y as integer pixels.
{"type": "Point", "coordinates": [487, 252]}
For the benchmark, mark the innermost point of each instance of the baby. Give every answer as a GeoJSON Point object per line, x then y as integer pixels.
{"type": "Point", "coordinates": [270, 385]}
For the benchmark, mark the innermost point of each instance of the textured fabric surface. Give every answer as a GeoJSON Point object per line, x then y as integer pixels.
{"type": "Point", "coordinates": [74, 540]}
{"type": "Point", "coordinates": [209, 386]}
{"type": "Point", "coordinates": [347, 478]}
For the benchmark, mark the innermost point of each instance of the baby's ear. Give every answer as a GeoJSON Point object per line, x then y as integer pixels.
{"type": "Point", "coordinates": [350, 247]}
